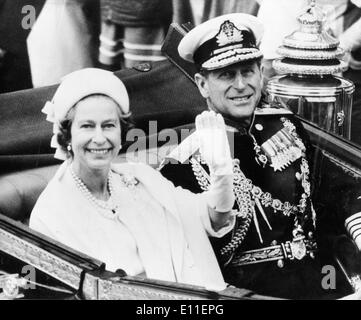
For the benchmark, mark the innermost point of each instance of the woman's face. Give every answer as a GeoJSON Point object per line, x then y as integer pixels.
{"type": "Point", "coordinates": [95, 133]}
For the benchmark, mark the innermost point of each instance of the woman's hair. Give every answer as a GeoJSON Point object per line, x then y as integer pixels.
{"type": "Point", "coordinates": [64, 136]}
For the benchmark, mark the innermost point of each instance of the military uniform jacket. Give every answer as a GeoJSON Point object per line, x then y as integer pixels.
{"type": "Point", "coordinates": [280, 184]}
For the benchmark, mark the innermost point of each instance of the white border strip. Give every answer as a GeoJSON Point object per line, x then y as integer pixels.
{"type": "Point", "coordinates": [138, 46]}
{"type": "Point", "coordinates": [138, 57]}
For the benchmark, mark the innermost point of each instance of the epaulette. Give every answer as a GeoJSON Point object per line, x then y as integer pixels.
{"type": "Point", "coordinates": [268, 110]}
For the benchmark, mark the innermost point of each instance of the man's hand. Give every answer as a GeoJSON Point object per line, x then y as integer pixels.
{"type": "Point", "coordinates": [213, 142]}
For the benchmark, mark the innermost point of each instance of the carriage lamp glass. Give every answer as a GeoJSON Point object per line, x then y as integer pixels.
{"type": "Point", "coordinates": [308, 82]}
{"type": "Point", "coordinates": [324, 101]}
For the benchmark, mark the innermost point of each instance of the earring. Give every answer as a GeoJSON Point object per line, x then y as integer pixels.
{"type": "Point", "coordinates": [68, 147]}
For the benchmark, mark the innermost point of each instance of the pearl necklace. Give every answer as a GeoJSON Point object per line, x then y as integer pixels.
{"type": "Point", "coordinates": [107, 206]}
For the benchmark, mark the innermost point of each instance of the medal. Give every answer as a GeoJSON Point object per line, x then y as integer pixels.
{"type": "Point", "coordinates": [282, 149]}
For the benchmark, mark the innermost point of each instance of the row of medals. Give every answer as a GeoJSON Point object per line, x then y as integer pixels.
{"type": "Point", "coordinates": [281, 149]}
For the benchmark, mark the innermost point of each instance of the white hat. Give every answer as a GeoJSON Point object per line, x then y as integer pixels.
{"type": "Point", "coordinates": [76, 86]}
{"type": "Point", "coordinates": [222, 41]}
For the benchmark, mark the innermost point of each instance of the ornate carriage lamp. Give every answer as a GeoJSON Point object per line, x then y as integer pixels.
{"type": "Point", "coordinates": [308, 83]}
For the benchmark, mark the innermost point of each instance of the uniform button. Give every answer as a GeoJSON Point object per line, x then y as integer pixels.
{"type": "Point", "coordinates": [258, 127]}
{"type": "Point", "coordinates": [280, 264]}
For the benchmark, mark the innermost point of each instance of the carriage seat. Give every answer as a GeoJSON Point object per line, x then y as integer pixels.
{"type": "Point", "coordinates": [20, 191]}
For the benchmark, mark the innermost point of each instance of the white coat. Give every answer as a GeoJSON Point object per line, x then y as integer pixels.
{"type": "Point", "coordinates": [63, 214]}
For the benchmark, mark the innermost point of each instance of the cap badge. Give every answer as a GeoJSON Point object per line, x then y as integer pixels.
{"type": "Point", "coordinates": [228, 33]}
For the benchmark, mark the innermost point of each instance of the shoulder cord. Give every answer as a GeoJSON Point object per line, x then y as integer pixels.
{"type": "Point", "coordinates": [243, 198]}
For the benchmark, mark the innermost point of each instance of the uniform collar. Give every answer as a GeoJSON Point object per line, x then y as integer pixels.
{"type": "Point", "coordinates": [243, 127]}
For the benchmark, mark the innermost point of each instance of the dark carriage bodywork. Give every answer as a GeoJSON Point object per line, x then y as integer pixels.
{"type": "Point", "coordinates": [160, 92]}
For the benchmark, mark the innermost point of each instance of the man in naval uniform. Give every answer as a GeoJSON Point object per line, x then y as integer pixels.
{"type": "Point", "coordinates": [272, 249]}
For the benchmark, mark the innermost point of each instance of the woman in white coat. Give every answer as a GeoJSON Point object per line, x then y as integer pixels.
{"type": "Point", "coordinates": [128, 215]}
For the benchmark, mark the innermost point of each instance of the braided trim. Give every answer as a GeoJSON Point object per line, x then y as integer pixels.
{"type": "Point", "coordinates": [246, 193]}
{"type": "Point", "coordinates": [237, 237]}
{"type": "Point", "coordinates": [243, 199]}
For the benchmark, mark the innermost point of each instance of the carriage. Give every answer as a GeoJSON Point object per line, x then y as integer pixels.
{"type": "Point", "coordinates": [162, 96]}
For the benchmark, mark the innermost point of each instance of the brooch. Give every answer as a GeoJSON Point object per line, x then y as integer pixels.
{"type": "Point", "coordinates": [129, 181]}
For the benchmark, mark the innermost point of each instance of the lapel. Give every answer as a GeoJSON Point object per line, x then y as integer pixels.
{"type": "Point", "coordinates": [159, 188]}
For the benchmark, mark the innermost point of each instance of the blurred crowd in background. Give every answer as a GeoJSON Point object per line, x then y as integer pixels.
{"type": "Point", "coordinates": [67, 35]}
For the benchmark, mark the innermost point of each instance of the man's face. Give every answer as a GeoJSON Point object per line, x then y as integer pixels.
{"type": "Point", "coordinates": [233, 91]}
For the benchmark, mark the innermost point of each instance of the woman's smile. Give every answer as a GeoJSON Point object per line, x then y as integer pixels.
{"type": "Point", "coordinates": [99, 151]}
